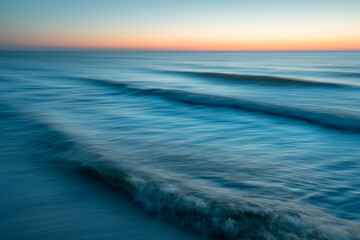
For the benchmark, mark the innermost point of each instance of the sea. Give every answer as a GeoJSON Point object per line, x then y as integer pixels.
{"type": "Point", "coordinates": [111, 144]}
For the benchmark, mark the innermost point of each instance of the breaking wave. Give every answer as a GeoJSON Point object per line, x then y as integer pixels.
{"type": "Point", "coordinates": [185, 205]}
{"type": "Point", "coordinates": [219, 219]}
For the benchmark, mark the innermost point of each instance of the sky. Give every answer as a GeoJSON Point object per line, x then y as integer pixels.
{"type": "Point", "coordinates": [181, 24]}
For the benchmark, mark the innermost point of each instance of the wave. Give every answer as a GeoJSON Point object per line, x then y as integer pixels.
{"type": "Point", "coordinates": [346, 74]}
{"type": "Point", "coordinates": [333, 120]}
{"type": "Point", "coordinates": [216, 219]}
{"type": "Point", "coordinates": [181, 204]}
{"type": "Point", "coordinates": [261, 79]}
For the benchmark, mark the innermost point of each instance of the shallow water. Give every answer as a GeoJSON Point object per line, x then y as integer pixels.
{"type": "Point", "coordinates": [236, 145]}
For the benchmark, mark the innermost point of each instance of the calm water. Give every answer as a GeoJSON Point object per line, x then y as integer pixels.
{"type": "Point", "coordinates": [235, 145]}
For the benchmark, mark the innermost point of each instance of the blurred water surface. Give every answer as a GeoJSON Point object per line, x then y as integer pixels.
{"type": "Point", "coordinates": [237, 145]}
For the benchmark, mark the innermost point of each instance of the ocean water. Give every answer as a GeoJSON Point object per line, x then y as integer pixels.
{"type": "Point", "coordinates": [225, 145]}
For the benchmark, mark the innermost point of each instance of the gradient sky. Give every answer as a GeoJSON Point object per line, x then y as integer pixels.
{"type": "Point", "coordinates": [182, 24]}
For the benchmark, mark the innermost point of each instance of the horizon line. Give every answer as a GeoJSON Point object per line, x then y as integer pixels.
{"type": "Point", "coordinates": [56, 48]}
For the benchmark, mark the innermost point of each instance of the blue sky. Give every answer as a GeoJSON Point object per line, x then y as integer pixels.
{"type": "Point", "coordinates": [180, 24]}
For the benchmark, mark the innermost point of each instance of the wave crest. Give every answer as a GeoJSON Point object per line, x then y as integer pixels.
{"type": "Point", "coordinates": [261, 79]}
{"type": "Point", "coordinates": [333, 120]}
{"type": "Point", "coordinates": [218, 219]}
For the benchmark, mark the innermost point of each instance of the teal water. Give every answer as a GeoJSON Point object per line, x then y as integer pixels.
{"type": "Point", "coordinates": [232, 145]}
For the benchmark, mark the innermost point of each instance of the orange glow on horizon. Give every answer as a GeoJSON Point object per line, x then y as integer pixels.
{"type": "Point", "coordinates": [187, 44]}
{"type": "Point", "coordinates": [208, 46]}
{"type": "Point", "coordinates": [241, 46]}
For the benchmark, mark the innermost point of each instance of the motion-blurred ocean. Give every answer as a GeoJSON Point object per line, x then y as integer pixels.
{"type": "Point", "coordinates": [232, 145]}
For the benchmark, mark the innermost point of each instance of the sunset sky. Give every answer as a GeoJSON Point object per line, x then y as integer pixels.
{"type": "Point", "coordinates": [181, 24]}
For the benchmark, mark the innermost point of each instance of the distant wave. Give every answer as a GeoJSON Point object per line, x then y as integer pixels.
{"type": "Point", "coordinates": [22, 68]}
{"type": "Point", "coordinates": [331, 120]}
{"type": "Point", "coordinates": [219, 219]}
{"type": "Point", "coordinates": [262, 79]}
{"type": "Point", "coordinates": [346, 74]}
